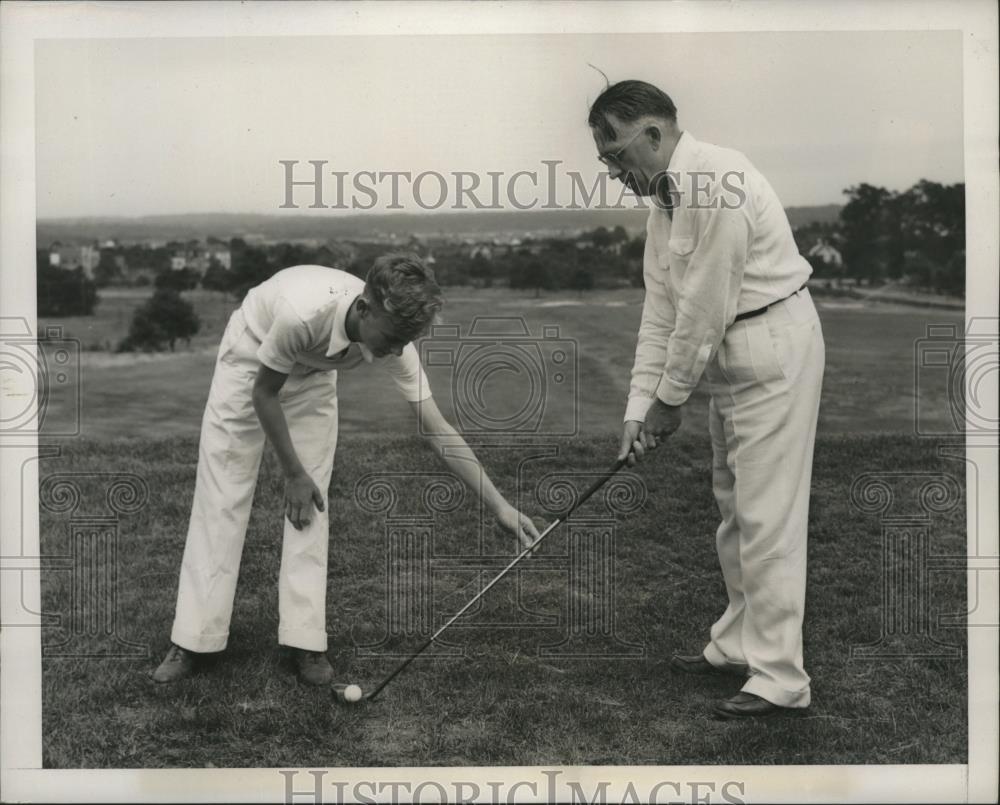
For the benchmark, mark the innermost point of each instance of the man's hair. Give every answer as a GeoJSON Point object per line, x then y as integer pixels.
{"type": "Point", "coordinates": [629, 101]}
{"type": "Point", "coordinates": [402, 286]}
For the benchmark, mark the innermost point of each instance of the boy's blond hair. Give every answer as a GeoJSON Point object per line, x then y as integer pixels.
{"type": "Point", "coordinates": [403, 286]}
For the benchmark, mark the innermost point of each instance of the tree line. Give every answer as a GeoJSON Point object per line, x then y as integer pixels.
{"type": "Point", "coordinates": [915, 236]}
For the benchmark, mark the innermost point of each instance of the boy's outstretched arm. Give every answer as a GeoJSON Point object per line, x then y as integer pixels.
{"type": "Point", "coordinates": [300, 491]}
{"type": "Point", "coordinates": [454, 451]}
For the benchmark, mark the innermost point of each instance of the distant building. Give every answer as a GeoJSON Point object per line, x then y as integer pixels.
{"type": "Point", "coordinates": [827, 253]}
{"type": "Point", "coordinates": [73, 257]}
{"type": "Point", "coordinates": [141, 276]}
{"type": "Point", "coordinates": [223, 256]}
{"type": "Point", "coordinates": [198, 258]}
{"type": "Point", "coordinates": [483, 250]}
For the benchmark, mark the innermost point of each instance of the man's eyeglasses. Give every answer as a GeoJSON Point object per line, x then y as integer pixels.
{"type": "Point", "coordinates": [616, 157]}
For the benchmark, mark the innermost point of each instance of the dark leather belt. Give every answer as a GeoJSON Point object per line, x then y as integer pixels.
{"type": "Point", "coordinates": [751, 313]}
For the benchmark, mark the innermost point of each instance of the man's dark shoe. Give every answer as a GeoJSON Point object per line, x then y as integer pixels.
{"type": "Point", "coordinates": [694, 664]}
{"type": "Point", "coordinates": [312, 667]}
{"type": "Point", "coordinates": [746, 705]}
{"type": "Point", "coordinates": [178, 664]}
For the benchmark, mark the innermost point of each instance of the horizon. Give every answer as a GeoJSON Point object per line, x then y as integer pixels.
{"type": "Point", "coordinates": [344, 214]}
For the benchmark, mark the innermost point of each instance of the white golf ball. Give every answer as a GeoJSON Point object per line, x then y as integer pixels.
{"type": "Point", "coordinates": [352, 693]}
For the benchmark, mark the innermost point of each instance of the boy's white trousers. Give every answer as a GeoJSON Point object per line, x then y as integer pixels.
{"type": "Point", "coordinates": [229, 456]}
{"type": "Point", "coordinates": [765, 384]}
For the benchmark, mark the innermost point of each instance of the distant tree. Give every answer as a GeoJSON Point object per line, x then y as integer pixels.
{"type": "Point", "coordinates": [529, 273]}
{"type": "Point", "coordinates": [163, 319]}
{"type": "Point", "coordinates": [293, 254]}
{"type": "Point", "coordinates": [482, 271]}
{"type": "Point", "coordinates": [183, 279]}
{"type": "Point", "coordinates": [951, 279]}
{"type": "Point", "coordinates": [635, 249]}
{"type": "Point", "coordinates": [217, 277]}
{"type": "Point", "coordinates": [866, 230]}
{"type": "Point", "coordinates": [637, 278]}
{"type": "Point", "coordinates": [602, 237]}
{"type": "Point", "coordinates": [820, 267]}
{"type": "Point", "coordinates": [107, 271]}
{"type": "Point", "coordinates": [918, 233]}
{"type": "Point", "coordinates": [159, 259]}
{"type": "Point", "coordinates": [582, 280]}
{"type": "Point", "coordinates": [63, 292]}
{"type": "Point", "coordinates": [250, 267]}
{"type": "Point", "coordinates": [932, 220]}
{"type": "Point", "coordinates": [325, 256]}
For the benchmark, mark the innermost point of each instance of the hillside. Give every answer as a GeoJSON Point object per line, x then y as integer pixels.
{"type": "Point", "coordinates": [291, 226]}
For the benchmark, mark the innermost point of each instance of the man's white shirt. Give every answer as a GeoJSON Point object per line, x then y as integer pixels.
{"type": "Point", "coordinates": [728, 250]}
{"type": "Point", "coordinates": [299, 316]}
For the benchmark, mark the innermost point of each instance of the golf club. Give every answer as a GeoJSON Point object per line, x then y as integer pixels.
{"type": "Point", "coordinates": [356, 695]}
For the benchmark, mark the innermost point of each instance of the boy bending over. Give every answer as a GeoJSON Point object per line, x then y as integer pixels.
{"type": "Point", "coordinates": [276, 378]}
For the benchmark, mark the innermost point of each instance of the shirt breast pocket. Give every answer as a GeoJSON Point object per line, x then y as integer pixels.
{"type": "Point", "coordinates": [679, 249]}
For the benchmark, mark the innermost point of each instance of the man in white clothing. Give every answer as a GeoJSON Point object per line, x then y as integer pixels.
{"type": "Point", "coordinates": [726, 301]}
{"type": "Point", "coordinates": [276, 378]}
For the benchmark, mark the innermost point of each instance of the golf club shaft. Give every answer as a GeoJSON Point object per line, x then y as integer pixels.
{"type": "Point", "coordinates": [598, 483]}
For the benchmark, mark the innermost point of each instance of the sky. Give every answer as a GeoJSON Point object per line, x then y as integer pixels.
{"type": "Point", "coordinates": [151, 126]}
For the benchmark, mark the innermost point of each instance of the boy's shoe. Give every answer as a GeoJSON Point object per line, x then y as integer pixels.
{"type": "Point", "coordinates": [178, 664]}
{"type": "Point", "coordinates": [312, 667]}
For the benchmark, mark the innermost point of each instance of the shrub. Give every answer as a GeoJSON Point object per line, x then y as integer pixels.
{"type": "Point", "coordinates": [63, 292]}
{"type": "Point", "coordinates": [163, 319]}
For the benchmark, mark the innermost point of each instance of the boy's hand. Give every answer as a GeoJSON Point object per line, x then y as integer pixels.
{"type": "Point", "coordinates": [300, 496]}
{"type": "Point", "coordinates": [520, 524]}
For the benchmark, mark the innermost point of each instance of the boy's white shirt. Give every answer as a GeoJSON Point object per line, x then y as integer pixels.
{"type": "Point", "coordinates": [704, 267]}
{"type": "Point", "coordinates": [299, 316]}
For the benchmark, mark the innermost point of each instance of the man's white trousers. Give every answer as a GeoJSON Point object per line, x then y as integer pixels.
{"type": "Point", "coordinates": [232, 443]}
{"type": "Point", "coordinates": [765, 384]}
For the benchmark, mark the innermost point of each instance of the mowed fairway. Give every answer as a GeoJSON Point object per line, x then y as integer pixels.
{"type": "Point", "coordinates": [501, 699]}
{"type": "Point", "coordinates": [868, 387]}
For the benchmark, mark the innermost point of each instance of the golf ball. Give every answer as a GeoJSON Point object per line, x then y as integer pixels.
{"type": "Point", "coordinates": [352, 693]}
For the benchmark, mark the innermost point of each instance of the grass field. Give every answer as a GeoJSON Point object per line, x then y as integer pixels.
{"type": "Point", "coordinates": [501, 703]}
{"type": "Point", "coordinates": [868, 388]}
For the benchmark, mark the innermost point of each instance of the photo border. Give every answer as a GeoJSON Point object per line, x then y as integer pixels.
{"type": "Point", "coordinates": [20, 670]}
